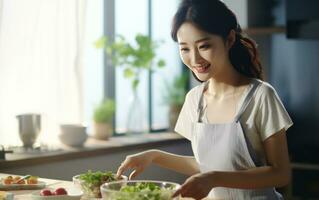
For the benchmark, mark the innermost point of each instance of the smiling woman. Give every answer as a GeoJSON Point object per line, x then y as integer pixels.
{"type": "Point", "coordinates": [40, 64]}
{"type": "Point", "coordinates": [235, 122]}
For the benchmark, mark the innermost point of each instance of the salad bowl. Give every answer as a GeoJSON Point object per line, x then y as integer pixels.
{"type": "Point", "coordinates": [90, 182]}
{"type": "Point", "coordinates": [139, 190]}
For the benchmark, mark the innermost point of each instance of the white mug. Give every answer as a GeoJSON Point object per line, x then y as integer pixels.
{"type": "Point", "coordinates": [29, 128]}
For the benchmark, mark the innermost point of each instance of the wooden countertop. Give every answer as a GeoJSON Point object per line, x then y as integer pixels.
{"type": "Point", "coordinates": [92, 147]}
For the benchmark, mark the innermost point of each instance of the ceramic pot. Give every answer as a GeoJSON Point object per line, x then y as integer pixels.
{"type": "Point", "coordinates": [102, 131]}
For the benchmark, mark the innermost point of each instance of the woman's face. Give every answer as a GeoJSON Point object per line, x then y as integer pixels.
{"type": "Point", "coordinates": [204, 53]}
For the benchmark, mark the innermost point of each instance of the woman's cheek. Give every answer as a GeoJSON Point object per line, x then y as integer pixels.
{"type": "Point", "coordinates": [185, 60]}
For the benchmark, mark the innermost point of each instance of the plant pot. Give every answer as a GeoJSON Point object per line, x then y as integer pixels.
{"type": "Point", "coordinates": [102, 131]}
{"type": "Point", "coordinates": [174, 111]}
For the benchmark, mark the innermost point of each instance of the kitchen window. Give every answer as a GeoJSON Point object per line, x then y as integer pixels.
{"type": "Point", "coordinates": [49, 65]}
{"type": "Point", "coordinates": [130, 18]}
{"type": "Point", "coordinates": [40, 65]}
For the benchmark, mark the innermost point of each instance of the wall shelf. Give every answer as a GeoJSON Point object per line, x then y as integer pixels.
{"type": "Point", "coordinates": [265, 30]}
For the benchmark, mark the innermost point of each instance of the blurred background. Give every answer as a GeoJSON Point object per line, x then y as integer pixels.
{"type": "Point", "coordinates": [50, 65]}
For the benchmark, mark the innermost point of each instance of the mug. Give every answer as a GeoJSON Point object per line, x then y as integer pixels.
{"type": "Point", "coordinates": [29, 128]}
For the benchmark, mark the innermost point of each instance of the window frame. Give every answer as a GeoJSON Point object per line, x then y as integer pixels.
{"type": "Point", "coordinates": [109, 70]}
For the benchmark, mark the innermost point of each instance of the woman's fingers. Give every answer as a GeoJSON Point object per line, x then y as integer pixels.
{"type": "Point", "coordinates": [136, 172]}
{"type": "Point", "coordinates": [120, 171]}
{"type": "Point", "coordinates": [137, 162]}
{"type": "Point", "coordinates": [178, 192]}
{"type": "Point", "coordinates": [183, 191]}
{"type": "Point", "coordinates": [123, 167]}
{"type": "Point", "coordinates": [127, 164]}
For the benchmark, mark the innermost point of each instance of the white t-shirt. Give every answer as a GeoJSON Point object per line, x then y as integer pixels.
{"type": "Point", "coordinates": [264, 116]}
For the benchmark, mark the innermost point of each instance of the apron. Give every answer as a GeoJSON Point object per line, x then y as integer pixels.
{"type": "Point", "coordinates": [224, 147]}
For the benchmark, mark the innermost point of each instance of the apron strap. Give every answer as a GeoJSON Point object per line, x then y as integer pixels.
{"type": "Point", "coordinates": [247, 99]}
{"type": "Point", "coordinates": [245, 104]}
{"type": "Point", "coordinates": [200, 107]}
{"type": "Point", "coordinates": [243, 107]}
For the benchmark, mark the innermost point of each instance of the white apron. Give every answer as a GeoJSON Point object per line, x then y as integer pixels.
{"type": "Point", "coordinates": [224, 147]}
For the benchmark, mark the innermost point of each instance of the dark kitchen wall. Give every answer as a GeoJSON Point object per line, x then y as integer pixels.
{"type": "Point", "coordinates": [294, 72]}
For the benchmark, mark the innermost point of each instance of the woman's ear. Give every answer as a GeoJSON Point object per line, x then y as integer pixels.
{"type": "Point", "coordinates": [231, 38]}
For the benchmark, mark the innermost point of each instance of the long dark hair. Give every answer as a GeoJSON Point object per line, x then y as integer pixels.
{"type": "Point", "coordinates": [214, 17]}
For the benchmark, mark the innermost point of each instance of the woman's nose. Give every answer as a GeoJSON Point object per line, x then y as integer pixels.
{"type": "Point", "coordinates": [197, 59]}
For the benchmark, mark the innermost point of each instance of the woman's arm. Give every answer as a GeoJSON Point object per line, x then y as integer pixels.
{"type": "Point", "coordinates": [276, 174]}
{"type": "Point", "coordinates": [138, 162]}
{"type": "Point", "coordinates": [182, 164]}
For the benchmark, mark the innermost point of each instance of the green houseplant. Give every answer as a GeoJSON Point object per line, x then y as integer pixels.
{"type": "Point", "coordinates": [103, 119]}
{"type": "Point", "coordinates": [174, 96]}
{"type": "Point", "coordinates": [134, 57]}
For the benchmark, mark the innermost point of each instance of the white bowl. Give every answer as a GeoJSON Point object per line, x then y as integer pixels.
{"type": "Point", "coordinates": [73, 194]}
{"type": "Point", "coordinates": [73, 134]}
{"type": "Point", "coordinates": [112, 190]}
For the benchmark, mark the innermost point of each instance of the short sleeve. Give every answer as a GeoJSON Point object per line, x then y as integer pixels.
{"type": "Point", "coordinates": [272, 115]}
{"type": "Point", "coordinates": [184, 122]}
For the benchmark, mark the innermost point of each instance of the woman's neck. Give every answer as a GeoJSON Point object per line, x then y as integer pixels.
{"type": "Point", "coordinates": [225, 85]}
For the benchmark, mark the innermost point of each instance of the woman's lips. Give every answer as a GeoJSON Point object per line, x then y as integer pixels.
{"type": "Point", "coordinates": [202, 69]}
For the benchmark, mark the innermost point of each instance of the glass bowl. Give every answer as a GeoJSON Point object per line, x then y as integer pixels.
{"type": "Point", "coordinates": [89, 190]}
{"type": "Point", "coordinates": [139, 190]}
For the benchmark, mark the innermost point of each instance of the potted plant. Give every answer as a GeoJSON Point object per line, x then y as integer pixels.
{"type": "Point", "coordinates": [134, 58]}
{"type": "Point", "coordinates": [103, 119]}
{"type": "Point", "coordinates": [174, 96]}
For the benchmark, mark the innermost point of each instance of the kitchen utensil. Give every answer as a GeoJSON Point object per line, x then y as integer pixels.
{"type": "Point", "coordinates": [20, 179]}
{"type": "Point", "coordinates": [29, 128]}
{"type": "Point", "coordinates": [3, 152]}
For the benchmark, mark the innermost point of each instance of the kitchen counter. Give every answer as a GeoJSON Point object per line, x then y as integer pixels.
{"type": "Point", "coordinates": [92, 147]}
{"type": "Point", "coordinates": [98, 155]}
{"type": "Point", "coordinates": [52, 183]}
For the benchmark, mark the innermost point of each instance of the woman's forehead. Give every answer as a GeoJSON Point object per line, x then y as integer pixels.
{"type": "Point", "coordinates": [190, 33]}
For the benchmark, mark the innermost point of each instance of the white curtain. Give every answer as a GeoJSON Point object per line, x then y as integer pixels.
{"type": "Point", "coordinates": [40, 64]}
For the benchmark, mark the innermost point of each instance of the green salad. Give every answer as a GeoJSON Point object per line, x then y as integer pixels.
{"type": "Point", "coordinates": [91, 182]}
{"type": "Point", "coordinates": [143, 191]}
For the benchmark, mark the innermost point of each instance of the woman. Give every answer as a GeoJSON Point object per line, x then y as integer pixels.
{"type": "Point", "coordinates": [236, 123]}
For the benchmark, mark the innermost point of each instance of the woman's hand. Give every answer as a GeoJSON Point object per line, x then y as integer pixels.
{"type": "Point", "coordinates": [138, 162]}
{"type": "Point", "coordinates": [197, 186]}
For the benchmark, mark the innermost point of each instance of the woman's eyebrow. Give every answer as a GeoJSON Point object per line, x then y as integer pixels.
{"type": "Point", "coordinates": [202, 40]}
{"type": "Point", "coordinates": [197, 41]}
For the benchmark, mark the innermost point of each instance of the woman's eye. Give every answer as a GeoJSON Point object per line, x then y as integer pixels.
{"type": "Point", "coordinates": [204, 46]}
{"type": "Point", "coordinates": [184, 49]}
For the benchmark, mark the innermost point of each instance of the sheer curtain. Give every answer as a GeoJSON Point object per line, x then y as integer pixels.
{"type": "Point", "coordinates": [40, 64]}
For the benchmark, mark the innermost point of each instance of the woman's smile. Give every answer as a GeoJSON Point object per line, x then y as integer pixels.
{"type": "Point", "coordinates": [203, 68]}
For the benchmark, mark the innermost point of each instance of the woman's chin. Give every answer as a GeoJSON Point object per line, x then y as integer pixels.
{"type": "Point", "coordinates": [203, 77]}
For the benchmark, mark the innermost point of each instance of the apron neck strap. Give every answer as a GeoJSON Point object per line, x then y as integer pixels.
{"type": "Point", "coordinates": [200, 103]}
{"type": "Point", "coordinates": [247, 99]}
{"type": "Point", "coordinates": [243, 107]}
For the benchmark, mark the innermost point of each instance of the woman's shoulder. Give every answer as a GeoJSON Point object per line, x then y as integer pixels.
{"type": "Point", "coordinates": [265, 89]}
